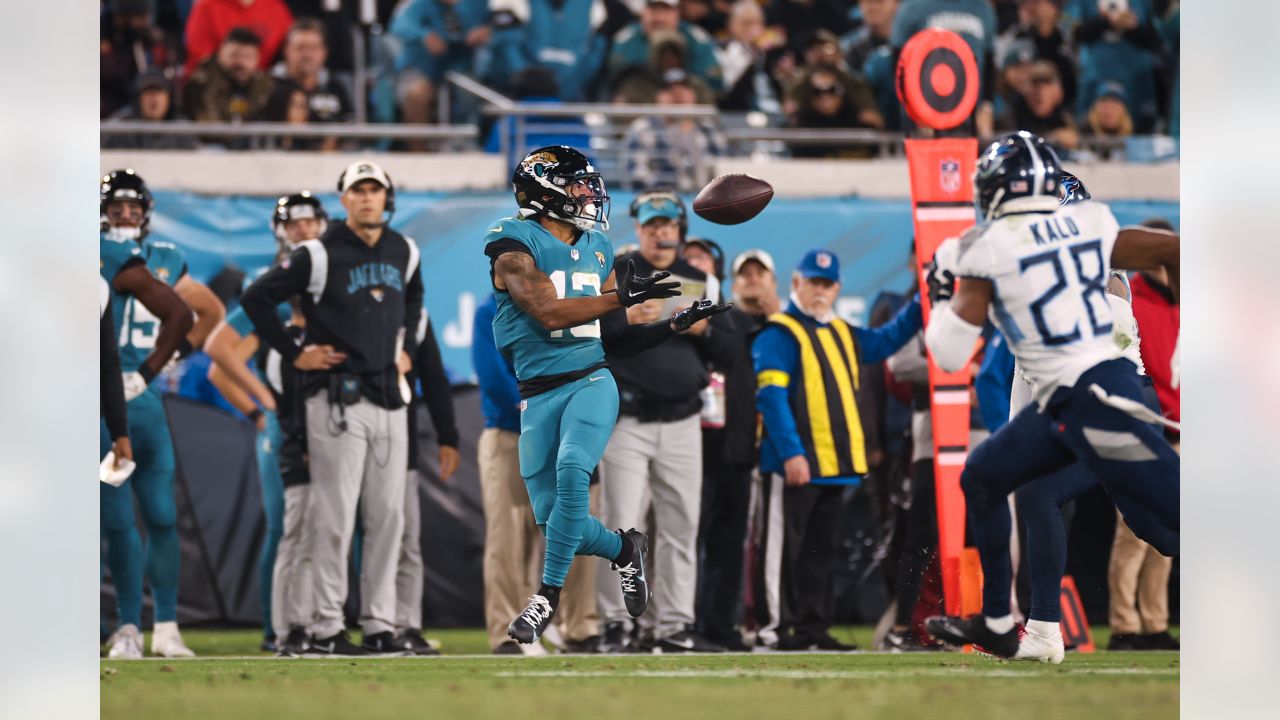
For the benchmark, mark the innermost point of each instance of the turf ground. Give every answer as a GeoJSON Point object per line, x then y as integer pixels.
{"type": "Point", "coordinates": [232, 679]}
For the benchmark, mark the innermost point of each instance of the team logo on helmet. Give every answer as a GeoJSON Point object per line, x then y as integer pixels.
{"type": "Point", "coordinates": [537, 164]}
{"type": "Point", "coordinates": [949, 175]}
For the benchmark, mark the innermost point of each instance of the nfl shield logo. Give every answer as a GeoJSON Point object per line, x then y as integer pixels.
{"type": "Point", "coordinates": [949, 175]}
{"type": "Point", "coordinates": [573, 253]}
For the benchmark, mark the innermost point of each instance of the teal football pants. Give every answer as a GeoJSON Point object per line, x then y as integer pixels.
{"type": "Point", "coordinates": [273, 507]}
{"type": "Point", "coordinates": [152, 484]}
{"type": "Point", "coordinates": [563, 433]}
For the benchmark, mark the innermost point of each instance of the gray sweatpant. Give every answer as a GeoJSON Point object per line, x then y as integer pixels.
{"type": "Point", "coordinates": [291, 584]}
{"type": "Point", "coordinates": [410, 572]}
{"type": "Point", "coordinates": [361, 467]}
{"type": "Point", "coordinates": [662, 461]}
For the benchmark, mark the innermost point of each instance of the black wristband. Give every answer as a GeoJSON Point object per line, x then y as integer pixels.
{"type": "Point", "coordinates": [147, 373]}
{"type": "Point", "coordinates": [254, 415]}
{"type": "Point", "coordinates": [185, 348]}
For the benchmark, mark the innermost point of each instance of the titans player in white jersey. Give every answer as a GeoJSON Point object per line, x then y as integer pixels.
{"type": "Point", "coordinates": [1040, 271]}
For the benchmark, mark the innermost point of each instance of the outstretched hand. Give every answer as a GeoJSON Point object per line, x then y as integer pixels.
{"type": "Point", "coordinates": [634, 289]}
{"type": "Point", "coordinates": [700, 310]}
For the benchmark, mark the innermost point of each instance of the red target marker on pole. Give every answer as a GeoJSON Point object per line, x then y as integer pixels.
{"type": "Point", "coordinates": [938, 79]}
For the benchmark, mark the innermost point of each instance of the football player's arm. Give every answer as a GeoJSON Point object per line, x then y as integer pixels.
{"type": "Point", "coordinates": [955, 326]}
{"type": "Point", "coordinates": [267, 292]}
{"type": "Point", "coordinates": [1144, 248]}
{"type": "Point", "coordinates": [236, 395]}
{"type": "Point", "coordinates": [230, 352]}
{"type": "Point", "coordinates": [622, 339]}
{"type": "Point", "coordinates": [165, 304]}
{"type": "Point", "coordinates": [208, 308]}
{"type": "Point", "coordinates": [877, 344]}
{"type": "Point", "coordinates": [436, 390]}
{"type": "Point", "coordinates": [111, 379]}
{"type": "Point", "coordinates": [533, 292]}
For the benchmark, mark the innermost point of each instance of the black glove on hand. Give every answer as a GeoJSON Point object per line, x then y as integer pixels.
{"type": "Point", "coordinates": [633, 289]}
{"type": "Point", "coordinates": [942, 283]}
{"type": "Point", "coordinates": [700, 310]}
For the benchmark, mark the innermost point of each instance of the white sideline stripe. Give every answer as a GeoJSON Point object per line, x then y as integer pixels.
{"type": "Point", "coordinates": [952, 458]}
{"type": "Point", "coordinates": [951, 397]}
{"type": "Point", "coordinates": [834, 674]}
{"type": "Point", "coordinates": [943, 214]}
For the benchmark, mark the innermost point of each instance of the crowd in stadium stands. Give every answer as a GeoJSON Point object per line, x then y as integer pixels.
{"type": "Point", "coordinates": [1068, 69]}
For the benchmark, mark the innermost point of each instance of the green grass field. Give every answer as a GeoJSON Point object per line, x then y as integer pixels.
{"type": "Point", "coordinates": [228, 681]}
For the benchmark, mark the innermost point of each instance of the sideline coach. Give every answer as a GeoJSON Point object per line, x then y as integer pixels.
{"type": "Point", "coordinates": [361, 293]}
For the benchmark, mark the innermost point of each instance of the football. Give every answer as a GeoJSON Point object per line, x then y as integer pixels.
{"type": "Point", "coordinates": [732, 199]}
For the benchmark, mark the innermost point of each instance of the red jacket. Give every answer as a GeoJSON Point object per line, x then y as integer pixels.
{"type": "Point", "coordinates": [1158, 322]}
{"type": "Point", "coordinates": [211, 20]}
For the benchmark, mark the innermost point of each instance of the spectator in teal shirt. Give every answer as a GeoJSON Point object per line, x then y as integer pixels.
{"type": "Point", "coordinates": [631, 49]}
{"type": "Point", "coordinates": [1118, 44]}
{"type": "Point", "coordinates": [436, 36]}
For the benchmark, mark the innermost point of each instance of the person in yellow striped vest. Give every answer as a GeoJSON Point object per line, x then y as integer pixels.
{"type": "Point", "coordinates": [806, 363]}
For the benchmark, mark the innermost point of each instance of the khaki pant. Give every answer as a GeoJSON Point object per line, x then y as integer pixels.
{"type": "Point", "coordinates": [1138, 578]}
{"type": "Point", "coordinates": [291, 588]}
{"type": "Point", "coordinates": [1139, 581]}
{"type": "Point", "coordinates": [513, 548]}
{"type": "Point", "coordinates": [411, 573]}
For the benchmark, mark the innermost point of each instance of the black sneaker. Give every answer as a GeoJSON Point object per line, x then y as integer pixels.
{"type": "Point", "coordinates": [635, 586]}
{"type": "Point", "coordinates": [824, 641]}
{"type": "Point", "coordinates": [531, 623]}
{"type": "Point", "coordinates": [973, 630]}
{"type": "Point", "coordinates": [732, 642]}
{"type": "Point", "coordinates": [412, 642]}
{"type": "Point", "coordinates": [338, 644]}
{"type": "Point", "coordinates": [510, 647]}
{"type": "Point", "coordinates": [617, 639]}
{"type": "Point", "coordinates": [1123, 642]}
{"type": "Point", "coordinates": [687, 641]}
{"type": "Point", "coordinates": [295, 644]}
{"type": "Point", "coordinates": [795, 642]}
{"type": "Point", "coordinates": [905, 641]}
{"type": "Point", "coordinates": [585, 646]}
{"type": "Point", "coordinates": [383, 643]}
{"type": "Point", "coordinates": [1157, 641]}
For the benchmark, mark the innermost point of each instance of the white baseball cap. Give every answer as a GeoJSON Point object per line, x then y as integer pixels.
{"type": "Point", "coordinates": [757, 255]}
{"type": "Point", "coordinates": [362, 170]}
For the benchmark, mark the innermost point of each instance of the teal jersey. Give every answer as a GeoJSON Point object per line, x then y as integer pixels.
{"type": "Point", "coordinates": [136, 328]}
{"type": "Point", "coordinates": [577, 270]}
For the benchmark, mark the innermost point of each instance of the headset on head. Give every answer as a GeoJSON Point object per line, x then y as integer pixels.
{"type": "Point", "coordinates": [666, 192]}
{"type": "Point", "coordinates": [391, 189]}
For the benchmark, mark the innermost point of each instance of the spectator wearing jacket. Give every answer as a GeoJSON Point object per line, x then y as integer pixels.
{"type": "Point", "coordinates": [229, 87]}
{"type": "Point", "coordinates": [436, 36]}
{"type": "Point", "coordinates": [659, 20]}
{"type": "Point", "coordinates": [211, 20]}
{"type": "Point", "coordinates": [561, 36]}
{"type": "Point", "coordinates": [806, 362]}
{"type": "Point", "coordinates": [131, 44]}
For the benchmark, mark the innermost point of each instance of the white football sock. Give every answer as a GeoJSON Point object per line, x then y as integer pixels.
{"type": "Point", "coordinates": [1044, 628]}
{"type": "Point", "coordinates": [1000, 625]}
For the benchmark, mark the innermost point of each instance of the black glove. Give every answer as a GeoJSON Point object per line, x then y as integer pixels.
{"type": "Point", "coordinates": [942, 283]}
{"type": "Point", "coordinates": [633, 289]}
{"type": "Point", "coordinates": [700, 310]}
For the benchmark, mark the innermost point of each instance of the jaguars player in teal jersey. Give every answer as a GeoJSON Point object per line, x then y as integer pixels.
{"type": "Point", "coordinates": [152, 300]}
{"type": "Point", "coordinates": [295, 219]}
{"type": "Point", "coordinates": [559, 305]}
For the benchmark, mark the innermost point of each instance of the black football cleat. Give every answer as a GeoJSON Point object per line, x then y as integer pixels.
{"type": "Point", "coordinates": [824, 641]}
{"type": "Point", "coordinates": [905, 641]}
{"type": "Point", "coordinates": [1157, 641]}
{"type": "Point", "coordinates": [531, 623]}
{"type": "Point", "coordinates": [687, 641]}
{"type": "Point", "coordinates": [635, 586]}
{"type": "Point", "coordinates": [617, 639]}
{"type": "Point", "coordinates": [973, 630]}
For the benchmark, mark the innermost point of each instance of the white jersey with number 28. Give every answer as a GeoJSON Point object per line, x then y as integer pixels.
{"type": "Point", "coordinates": [1049, 276]}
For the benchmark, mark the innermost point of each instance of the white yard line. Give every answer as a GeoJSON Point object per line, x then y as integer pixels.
{"type": "Point", "coordinates": [838, 674]}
